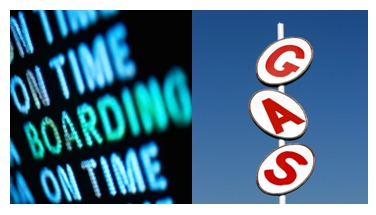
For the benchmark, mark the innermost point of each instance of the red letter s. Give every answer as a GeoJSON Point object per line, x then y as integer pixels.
{"type": "Point", "coordinates": [290, 172]}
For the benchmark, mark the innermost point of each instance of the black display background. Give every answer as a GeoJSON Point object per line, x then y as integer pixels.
{"type": "Point", "coordinates": [158, 40]}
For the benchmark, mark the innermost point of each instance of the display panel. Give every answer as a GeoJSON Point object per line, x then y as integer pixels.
{"type": "Point", "coordinates": [101, 107]}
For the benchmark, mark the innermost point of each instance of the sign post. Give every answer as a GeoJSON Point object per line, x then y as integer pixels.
{"type": "Point", "coordinates": [281, 88]}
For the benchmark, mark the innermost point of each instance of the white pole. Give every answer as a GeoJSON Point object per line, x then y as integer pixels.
{"type": "Point", "coordinates": [281, 88]}
{"type": "Point", "coordinates": [280, 29]}
{"type": "Point", "coordinates": [282, 199]}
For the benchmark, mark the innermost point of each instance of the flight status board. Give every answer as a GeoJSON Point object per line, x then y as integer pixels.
{"type": "Point", "coordinates": [101, 107]}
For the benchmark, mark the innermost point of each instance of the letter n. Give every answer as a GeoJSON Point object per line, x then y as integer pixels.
{"type": "Point", "coordinates": [38, 87]}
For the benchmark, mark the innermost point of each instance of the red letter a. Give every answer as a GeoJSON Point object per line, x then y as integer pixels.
{"type": "Point", "coordinates": [272, 107]}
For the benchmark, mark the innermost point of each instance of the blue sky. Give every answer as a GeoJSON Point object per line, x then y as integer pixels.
{"type": "Point", "coordinates": [227, 146]}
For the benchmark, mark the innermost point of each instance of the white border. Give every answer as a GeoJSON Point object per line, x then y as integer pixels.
{"type": "Point", "coordinates": [197, 5]}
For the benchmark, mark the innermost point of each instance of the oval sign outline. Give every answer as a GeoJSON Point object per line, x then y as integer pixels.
{"type": "Point", "coordinates": [297, 186]}
{"type": "Point", "coordinates": [293, 78]}
{"type": "Point", "coordinates": [275, 135]}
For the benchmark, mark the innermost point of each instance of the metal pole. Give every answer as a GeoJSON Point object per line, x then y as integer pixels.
{"type": "Point", "coordinates": [282, 199]}
{"type": "Point", "coordinates": [281, 88]}
{"type": "Point", "coordinates": [280, 29]}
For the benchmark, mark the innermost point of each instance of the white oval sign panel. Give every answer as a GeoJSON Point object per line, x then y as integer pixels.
{"type": "Point", "coordinates": [278, 114]}
{"type": "Point", "coordinates": [284, 61]}
{"type": "Point", "coordinates": [285, 169]}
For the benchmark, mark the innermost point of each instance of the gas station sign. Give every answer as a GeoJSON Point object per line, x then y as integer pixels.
{"type": "Point", "coordinates": [279, 115]}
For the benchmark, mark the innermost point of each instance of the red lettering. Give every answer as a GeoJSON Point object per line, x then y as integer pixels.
{"type": "Point", "coordinates": [288, 67]}
{"type": "Point", "coordinates": [272, 107]}
{"type": "Point", "coordinates": [290, 172]}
